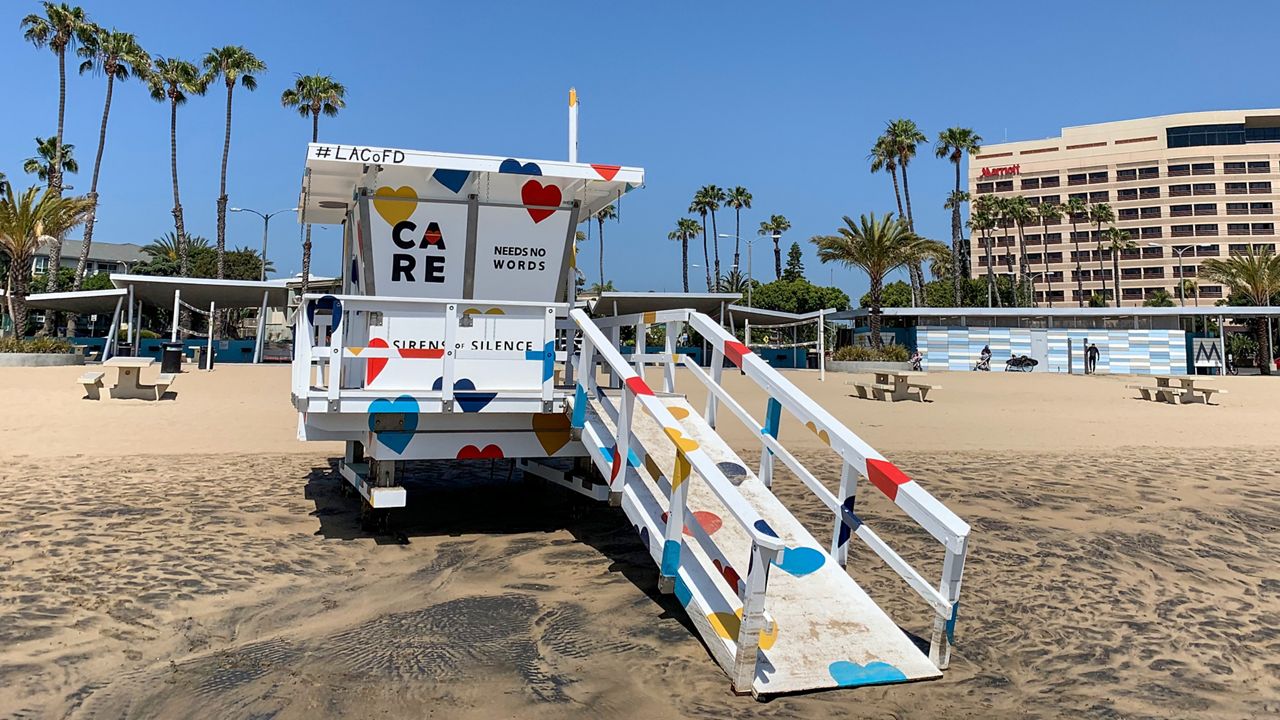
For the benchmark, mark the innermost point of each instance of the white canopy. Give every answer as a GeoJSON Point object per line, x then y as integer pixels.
{"type": "Point", "coordinates": [158, 291]}
{"type": "Point", "coordinates": [84, 302]}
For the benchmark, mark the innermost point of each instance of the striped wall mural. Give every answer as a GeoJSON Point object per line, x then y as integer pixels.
{"type": "Point", "coordinates": [1139, 352]}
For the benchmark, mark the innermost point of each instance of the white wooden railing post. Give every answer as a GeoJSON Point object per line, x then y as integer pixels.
{"type": "Point", "coordinates": [681, 476]}
{"type": "Point", "coordinates": [334, 373]}
{"type": "Point", "coordinates": [642, 346]}
{"type": "Point", "coordinates": [669, 369]}
{"type": "Point", "coordinates": [622, 449]}
{"type": "Point", "coordinates": [717, 372]}
{"type": "Point", "coordinates": [841, 534]}
{"type": "Point", "coordinates": [772, 419]}
{"type": "Point", "coordinates": [753, 621]}
{"type": "Point", "coordinates": [944, 627]}
{"type": "Point", "coordinates": [615, 339]}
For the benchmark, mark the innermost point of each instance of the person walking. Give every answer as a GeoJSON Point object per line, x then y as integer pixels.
{"type": "Point", "coordinates": [1091, 360]}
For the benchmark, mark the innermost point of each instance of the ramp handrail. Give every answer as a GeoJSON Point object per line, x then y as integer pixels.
{"type": "Point", "coordinates": [858, 458]}
{"type": "Point", "coordinates": [766, 546]}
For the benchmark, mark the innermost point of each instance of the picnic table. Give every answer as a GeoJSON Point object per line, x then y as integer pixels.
{"type": "Point", "coordinates": [893, 385]}
{"type": "Point", "coordinates": [128, 372]}
{"type": "Point", "coordinates": [1175, 389]}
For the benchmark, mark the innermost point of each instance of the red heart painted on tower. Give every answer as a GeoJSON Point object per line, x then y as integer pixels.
{"type": "Point", "coordinates": [535, 193]}
{"type": "Point", "coordinates": [373, 366]}
{"type": "Point", "coordinates": [489, 452]}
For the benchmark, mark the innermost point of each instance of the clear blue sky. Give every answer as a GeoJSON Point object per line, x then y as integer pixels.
{"type": "Point", "coordinates": [783, 98]}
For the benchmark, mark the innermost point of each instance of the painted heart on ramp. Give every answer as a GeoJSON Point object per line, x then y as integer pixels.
{"type": "Point", "coordinates": [395, 440]}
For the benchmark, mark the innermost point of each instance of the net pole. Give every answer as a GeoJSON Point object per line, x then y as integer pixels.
{"type": "Point", "coordinates": [208, 362]}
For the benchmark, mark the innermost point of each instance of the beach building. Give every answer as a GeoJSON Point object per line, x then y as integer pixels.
{"type": "Point", "coordinates": [103, 257]}
{"type": "Point", "coordinates": [1185, 187]}
{"type": "Point", "coordinates": [1134, 340]}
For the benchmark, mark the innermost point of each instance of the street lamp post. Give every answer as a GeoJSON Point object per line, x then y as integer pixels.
{"type": "Point", "coordinates": [750, 276]}
{"type": "Point", "coordinates": [1182, 278]}
{"type": "Point", "coordinates": [266, 223]}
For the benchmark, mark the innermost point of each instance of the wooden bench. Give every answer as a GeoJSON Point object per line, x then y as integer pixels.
{"type": "Point", "coordinates": [923, 389]}
{"type": "Point", "coordinates": [92, 382]}
{"type": "Point", "coordinates": [163, 381]}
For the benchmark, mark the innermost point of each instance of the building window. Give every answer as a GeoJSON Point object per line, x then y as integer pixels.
{"type": "Point", "coordinates": [1180, 211]}
{"type": "Point", "coordinates": [1149, 193]}
{"type": "Point", "coordinates": [1150, 212]}
{"type": "Point", "coordinates": [1238, 208]}
{"type": "Point", "coordinates": [1237, 229]}
{"type": "Point", "coordinates": [1077, 179]}
{"type": "Point", "coordinates": [1128, 214]}
{"type": "Point", "coordinates": [1129, 174]}
{"type": "Point", "coordinates": [1207, 229]}
{"type": "Point", "coordinates": [1031, 239]}
{"type": "Point", "coordinates": [1052, 181]}
{"type": "Point", "coordinates": [1202, 168]}
{"type": "Point", "coordinates": [1030, 183]}
{"type": "Point", "coordinates": [1099, 196]}
{"type": "Point", "coordinates": [1004, 186]}
{"type": "Point", "coordinates": [1130, 274]}
{"type": "Point", "coordinates": [984, 188]}
{"type": "Point", "coordinates": [1259, 187]}
{"type": "Point", "coordinates": [1127, 194]}
{"type": "Point", "coordinates": [1207, 251]}
{"type": "Point", "coordinates": [1055, 199]}
{"type": "Point", "coordinates": [1131, 253]}
{"type": "Point", "coordinates": [1210, 291]}
{"type": "Point", "coordinates": [1198, 135]}
{"type": "Point", "coordinates": [1148, 173]}
{"type": "Point", "coordinates": [1182, 230]}
{"type": "Point", "coordinates": [1152, 232]}
{"type": "Point", "coordinates": [1206, 208]}
{"type": "Point", "coordinates": [1078, 196]}
{"type": "Point", "coordinates": [1152, 273]}
{"type": "Point", "coordinates": [1260, 166]}
{"type": "Point", "coordinates": [1237, 188]}
{"type": "Point", "coordinates": [1264, 229]}
{"type": "Point", "coordinates": [1098, 177]}
{"type": "Point", "coordinates": [1233, 168]}
{"type": "Point", "coordinates": [1181, 190]}
{"type": "Point", "coordinates": [1179, 170]}
{"type": "Point", "coordinates": [1206, 189]}
{"type": "Point", "coordinates": [1152, 252]}
{"type": "Point", "coordinates": [1055, 257]}
{"type": "Point", "coordinates": [1259, 208]}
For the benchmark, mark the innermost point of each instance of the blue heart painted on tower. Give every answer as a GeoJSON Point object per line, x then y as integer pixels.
{"type": "Point", "coordinates": [395, 440]}
{"type": "Point", "coordinates": [452, 179]}
{"type": "Point", "coordinates": [464, 392]}
{"type": "Point", "coordinates": [511, 166]}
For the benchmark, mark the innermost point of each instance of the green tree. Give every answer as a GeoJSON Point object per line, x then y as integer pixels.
{"type": "Point", "coordinates": [1077, 210]}
{"type": "Point", "coordinates": [773, 229]}
{"type": "Point", "coordinates": [166, 253]}
{"type": "Point", "coordinates": [1159, 298]}
{"type": "Point", "coordinates": [952, 144]}
{"type": "Point", "coordinates": [232, 63]}
{"type": "Point", "coordinates": [983, 221]}
{"type": "Point", "coordinates": [47, 150]}
{"type": "Point", "coordinates": [739, 199]}
{"type": "Point", "coordinates": [1117, 241]}
{"type": "Point", "coordinates": [906, 138]}
{"type": "Point", "coordinates": [172, 80]}
{"type": "Point", "coordinates": [878, 247]}
{"type": "Point", "coordinates": [1255, 278]}
{"type": "Point", "coordinates": [733, 281]}
{"type": "Point", "coordinates": [239, 264]}
{"type": "Point", "coordinates": [26, 222]}
{"type": "Point", "coordinates": [312, 96]}
{"type": "Point", "coordinates": [954, 202]}
{"type": "Point", "coordinates": [795, 264]}
{"type": "Point", "coordinates": [686, 230]}
{"type": "Point", "coordinates": [1021, 213]}
{"type": "Point", "coordinates": [711, 198]}
{"type": "Point", "coordinates": [60, 28]}
{"type": "Point", "coordinates": [598, 288]}
{"type": "Point", "coordinates": [884, 156]}
{"type": "Point", "coordinates": [97, 281]}
{"type": "Point", "coordinates": [1101, 214]}
{"type": "Point", "coordinates": [798, 296]}
{"type": "Point", "coordinates": [896, 294]}
{"type": "Point", "coordinates": [115, 55]}
{"type": "Point", "coordinates": [608, 212]}
{"type": "Point", "coordinates": [1049, 214]}
{"type": "Point", "coordinates": [1189, 287]}
{"type": "Point", "coordinates": [700, 206]}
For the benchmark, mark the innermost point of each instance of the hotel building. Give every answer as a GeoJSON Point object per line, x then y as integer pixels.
{"type": "Point", "coordinates": [1185, 187]}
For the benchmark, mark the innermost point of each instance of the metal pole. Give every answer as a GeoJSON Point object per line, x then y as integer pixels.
{"type": "Point", "coordinates": [131, 330]}
{"type": "Point", "coordinates": [822, 346]}
{"type": "Point", "coordinates": [573, 130]}
{"type": "Point", "coordinates": [1222, 345]}
{"type": "Point", "coordinates": [137, 334]}
{"type": "Point", "coordinates": [108, 347]}
{"type": "Point", "coordinates": [1182, 279]}
{"type": "Point", "coordinates": [173, 326]}
{"type": "Point", "coordinates": [266, 222]}
{"type": "Point", "coordinates": [208, 362]}
{"type": "Point", "coordinates": [749, 275]}
{"type": "Point", "coordinates": [262, 324]}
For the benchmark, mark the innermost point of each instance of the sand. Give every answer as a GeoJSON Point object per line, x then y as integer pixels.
{"type": "Point", "coordinates": [192, 559]}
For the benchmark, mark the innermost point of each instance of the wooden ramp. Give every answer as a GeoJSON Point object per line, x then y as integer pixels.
{"type": "Point", "coordinates": [823, 630]}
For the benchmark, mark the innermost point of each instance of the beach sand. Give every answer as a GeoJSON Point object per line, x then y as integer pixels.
{"type": "Point", "coordinates": [192, 559]}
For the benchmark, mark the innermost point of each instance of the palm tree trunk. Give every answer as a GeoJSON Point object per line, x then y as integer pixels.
{"type": "Point", "coordinates": [1115, 272]}
{"type": "Point", "coordinates": [957, 264]}
{"type": "Point", "coordinates": [914, 270]}
{"type": "Point", "coordinates": [82, 265]}
{"type": "Point", "coordinates": [716, 242]}
{"type": "Point", "coordinates": [55, 185]}
{"type": "Point", "coordinates": [600, 222]}
{"type": "Point", "coordinates": [684, 258]}
{"type": "Point", "coordinates": [706, 259]}
{"type": "Point", "coordinates": [1075, 238]}
{"type": "Point", "coordinates": [777, 258]}
{"type": "Point", "coordinates": [18, 281]}
{"type": "Point", "coordinates": [1044, 255]}
{"type": "Point", "coordinates": [306, 244]}
{"type": "Point", "coordinates": [1102, 268]}
{"type": "Point", "coordinates": [179, 227]}
{"type": "Point", "coordinates": [876, 292]}
{"type": "Point", "coordinates": [1022, 261]}
{"type": "Point", "coordinates": [991, 276]}
{"type": "Point", "coordinates": [222, 189]}
{"type": "Point", "coordinates": [893, 173]}
{"type": "Point", "coordinates": [737, 234]}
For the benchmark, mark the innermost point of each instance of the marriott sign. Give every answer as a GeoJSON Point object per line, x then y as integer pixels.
{"type": "Point", "coordinates": [998, 171]}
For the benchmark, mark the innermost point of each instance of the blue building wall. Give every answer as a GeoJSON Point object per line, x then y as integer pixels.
{"type": "Point", "coordinates": [1141, 352]}
{"type": "Point", "coordinates": [224, 351]}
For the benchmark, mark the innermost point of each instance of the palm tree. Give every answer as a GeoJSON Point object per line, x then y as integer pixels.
{"type": "Point", "coordinates": [1253, 276]}
{"type": "Point", "coordinates": [116, 55]}
{"type": "Point", "coordinates": [313, 95]}
{"type": "Point", "coordinates": [884, 156]}
{"type": "Point", "coordinates": [61, 27]}
{"type": "Point", "coordinates": [173, 79]}
{"type": "Point", "coordinates": [905, 138]}
{"type": "Point", "coordinates": [701, 205]}
{"type": "Point", "coordinates": [1076, 209]}
{"type": "Point", "coordinates": [1101, 214]}
{"type": "Point", "coordinates": [1117, 241]}
{"type": "Point", "coordinates": [878, 247]}
{"type": "Point", "coordinates": [608, 212]}
{"type": "Point", "coordinates": [26, 222]}
{"type": "Point", "coordinates": [167, 249]}
{"type": "Point", "coordinates": [959, 267]}
{"type": "Point", "coordinates": [952, 144]}
{"type": "Point", "coordinates": [1021, 213]}
{"type": "Point", "coordinates": [712, 198]}
{"type": "Point", "coordinates": [686, 230]}
{"type": "Point", "coordinates": [1192, 288]}
{"type": "Point", "coordinates": [738, 199]}
{"type": "Point", "coordinates": [1050, 214]}
{"type": "Point", "coordinates": [983, 220]}
{"type": "Point", "coordinates": [773, 228]}
{"type": "Point", "coordinates": [231, 63]}
{"type": "Point", "coordinates": [47, 153]}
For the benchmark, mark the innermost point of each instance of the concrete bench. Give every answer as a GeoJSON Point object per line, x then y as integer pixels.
{"type": "Point", "coordinates": [92, 382]}
{"type": "Point", "coordinates": [872, 391]}
{"type": "Point", "coordinates": [923, 389]}
{"type": "Point", "coordinates": [1206, 392]}
{"type": "Point", "coordinates": [163, 381]}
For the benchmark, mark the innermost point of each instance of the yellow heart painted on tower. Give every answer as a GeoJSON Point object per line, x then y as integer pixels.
{"type": "Point", "coordinates": [727, 625]}
{"type": "Point", "coordinates": [822, 434]}
{"type": "Point", "coordinates": [395, 211]}
{"type": "Point", "coordinates": [552, 431]}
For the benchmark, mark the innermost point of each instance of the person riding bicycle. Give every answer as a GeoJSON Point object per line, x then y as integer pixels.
{"type": "Point", "coordinates": [917, 359]}
{"type": "Point", "coordinates": [984, 359]}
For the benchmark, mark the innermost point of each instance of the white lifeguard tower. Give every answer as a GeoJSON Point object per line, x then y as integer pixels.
{"type": "Point", "coordinates": [457, 335]}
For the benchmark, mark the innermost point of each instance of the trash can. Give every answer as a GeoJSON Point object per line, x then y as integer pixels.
{"type": "Point", "coordinates": [124, 349]}
{"type": "Point", "coordinates": [204, 359]}
{"type": "Point", "coordinates": [171, 357]}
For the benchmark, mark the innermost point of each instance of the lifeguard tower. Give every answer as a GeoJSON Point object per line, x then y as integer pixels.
{"type": "Point", "coordinates": [457, 335]}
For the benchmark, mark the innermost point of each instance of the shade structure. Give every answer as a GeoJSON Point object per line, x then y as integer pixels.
{"type": "Point", "coordinates": [85, 302]}
{"type": "Point", "coordinates": [158, 291]}
{"type": "Point", "coordinates": [766, 318]}
{"type": "Point", "coordinates": [629, 303]}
